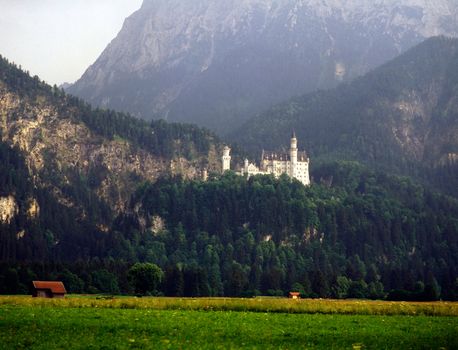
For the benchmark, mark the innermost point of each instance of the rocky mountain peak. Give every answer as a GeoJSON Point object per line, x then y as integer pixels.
{"type": "Point", "coordinates": [216, 63]}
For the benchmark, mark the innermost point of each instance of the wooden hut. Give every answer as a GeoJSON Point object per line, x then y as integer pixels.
{"type": "Point", "coordinates": [294, 295]}
{"type": "Point", "coordinates": [48, 289]}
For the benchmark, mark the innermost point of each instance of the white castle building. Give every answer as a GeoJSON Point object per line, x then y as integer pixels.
{"type": "Point", "coordinates": [293, 163]}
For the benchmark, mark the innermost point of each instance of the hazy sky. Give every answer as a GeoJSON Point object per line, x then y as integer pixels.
{"type": "Point", "coordinates": [58, 39]}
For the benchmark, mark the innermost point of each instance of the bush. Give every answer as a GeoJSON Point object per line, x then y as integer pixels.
{"type": "Point", "coordinates": [145, 278]}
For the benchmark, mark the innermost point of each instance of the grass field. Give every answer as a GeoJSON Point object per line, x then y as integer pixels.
{"type": "Point", "coordinates": [169, 323]}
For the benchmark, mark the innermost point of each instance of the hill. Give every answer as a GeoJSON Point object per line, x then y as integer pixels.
{"type": "Point", "coordinates": [402, 117]}
{"type": "Point", "coordinates": [67, 170]}
{"type": "Point", "coordinates": [216, 63]}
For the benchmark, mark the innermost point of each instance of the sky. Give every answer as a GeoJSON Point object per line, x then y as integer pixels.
{"type": "Point", "coordinates": [59, 39]}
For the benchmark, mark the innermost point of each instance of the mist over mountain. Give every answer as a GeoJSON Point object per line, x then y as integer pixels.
{"type": "Point", "coordinates": [403, 116]}
{"type": "Point", "coordinates": [216, 63]}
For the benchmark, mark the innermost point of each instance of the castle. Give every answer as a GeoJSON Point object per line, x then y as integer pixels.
{"type": "Point", "coordinates": [293, 163]}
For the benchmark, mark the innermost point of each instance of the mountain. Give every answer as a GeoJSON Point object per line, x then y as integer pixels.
{"type": "Point", "coordinates": [67, 170]}
{"type": "Point", "coordinates": [216, 63]}
{"type": "Point", "coordinates": [65, 86]}
{"type": "Point", "coordinates": [402, 117]}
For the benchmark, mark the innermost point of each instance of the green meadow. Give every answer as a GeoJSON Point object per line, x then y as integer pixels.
{"type": "Point", "coordinates": [167, 323]}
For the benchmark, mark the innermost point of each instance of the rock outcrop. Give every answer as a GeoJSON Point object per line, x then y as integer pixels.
{"type": "Point", "coordinates": [8, 209]}
{"type": "Point", "coordinates": [63, 152]}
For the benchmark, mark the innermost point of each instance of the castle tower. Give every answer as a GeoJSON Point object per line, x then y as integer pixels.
{"type": "Point", "coordinates": [245, 166]}
{"type": "Point", "coordinates": [226, 159]}
{"type": "Point", "coordinates": [293, 154]}
{"type": "Point", "coordinates": [204, 174]}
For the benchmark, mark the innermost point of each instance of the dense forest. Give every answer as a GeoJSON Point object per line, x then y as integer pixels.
{"type": "Point", "coordinates": [65, 194]}
{"type": "Point", "coordinates": [54, 211]}
{"type": "Point", "coordinates": [358, 233]}
{"type": "Point", "coordinates": [401, 117]}
{"type": "Point", "coordinates": [36, 238]}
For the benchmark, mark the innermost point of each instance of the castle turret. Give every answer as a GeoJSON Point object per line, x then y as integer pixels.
{"type": "Point", "coordinates": [245, 166]}
{"type": "Point", "coordinates": [293, 155]}
{"type": "Point", "coordinates": [204, 174]}
{"type": "Point", "coordinates": [226, 159]}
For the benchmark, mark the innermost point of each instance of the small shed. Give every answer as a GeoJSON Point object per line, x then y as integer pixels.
{"type": "Point", "coordinates": [294, 295]}
{"type": "Point", "coordinates": [48, 289]}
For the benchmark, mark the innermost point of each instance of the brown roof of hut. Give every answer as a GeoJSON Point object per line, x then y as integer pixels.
{"type": "Point", "coordinates": [54, 287]}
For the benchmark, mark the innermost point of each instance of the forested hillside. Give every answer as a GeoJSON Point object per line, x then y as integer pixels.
{"type": "Point", "coordinates": [86, 194]}
{"type": "Point", "coordinates": [357, 234]}
{"type": "Point", "coordinates": [401, 117]}
{"type": "Point", "coordinates": [67, 170]}
{"type": "Point", "coordinates": [364, 235]}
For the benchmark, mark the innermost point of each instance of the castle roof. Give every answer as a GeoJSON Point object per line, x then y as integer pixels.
{"type": "Point", "coordinates": [283, 156]}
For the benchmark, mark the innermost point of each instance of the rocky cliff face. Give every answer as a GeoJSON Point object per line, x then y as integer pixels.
{"type": "Point", "coordinates": [66, 156]}
{"type": "Point", "coordinates": [218, 62]}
